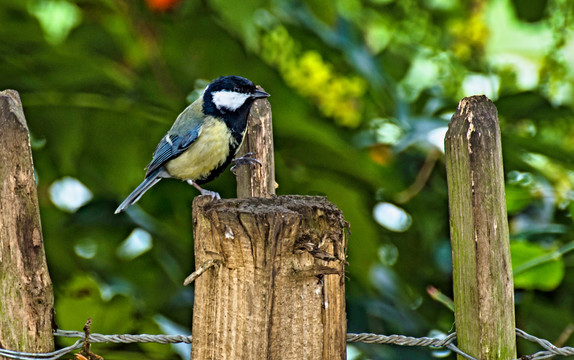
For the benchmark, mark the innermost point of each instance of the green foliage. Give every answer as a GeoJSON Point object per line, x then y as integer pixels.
{"type": "Point", "coordinates": [82, 299]}
{"type": "Point", "coordinates": [536, 274]}
{"type": "Point", "coordinates": [336, 96]}
{"type": "Point", "coordinates": [365, 86]}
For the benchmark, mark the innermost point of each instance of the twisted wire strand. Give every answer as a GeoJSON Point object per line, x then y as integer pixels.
{"type": "Point", "coordinates": [403, 340]}
{"type": "Point", "coordinates": [126, 338]}
{"type": "Point", "coordinates": [368, 338]}
{"type": "Point", "coordinates": [53, 355]}
{"type": "Point", "coordinates": [551, 350]}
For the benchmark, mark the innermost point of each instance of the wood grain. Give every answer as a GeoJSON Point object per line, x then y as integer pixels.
{"type": "Point", "coordinates": [253, 180]}
{"type": "Point", "coordinates": [26, 297]}
{"type": "Point", "coordinates": [269, 297]}
{"type": "Point", "coordinates": [482, 271]}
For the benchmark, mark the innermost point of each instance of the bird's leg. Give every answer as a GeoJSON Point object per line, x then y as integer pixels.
{"type": "Point", "coordinates": [213, 194]}
{"type": "Point", "coordinates": [246, 159]}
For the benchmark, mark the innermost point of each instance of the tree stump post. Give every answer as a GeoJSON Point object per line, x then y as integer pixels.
{"type": "Point", "coordinates": [26, 297]}
{"type": "Point", "coordinates": [482, 270]}
{"type": "Point", "coordinates": [270, 271]}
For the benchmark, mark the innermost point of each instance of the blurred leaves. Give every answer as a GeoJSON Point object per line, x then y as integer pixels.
{"type": "Point", "coordinates": [337, 96]}
{"type": "Point", "coordinates": [82, 300]}
{"type": "Point", "coordinates": [57, 17]}
{"type": "Point", "coordinates": [536, 267]}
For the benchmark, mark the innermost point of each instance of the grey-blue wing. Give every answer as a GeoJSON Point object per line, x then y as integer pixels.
{"type": "Point", "coordinates": [171, 146]}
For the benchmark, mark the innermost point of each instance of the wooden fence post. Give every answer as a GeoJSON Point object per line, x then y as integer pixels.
{"type": "Point", "coordinates": [26, 297]}
{"type": "Point", "coordinates": [275, 284]}
{"type": "Point", "coordinates": [482, 271]}
{"type": "Point", "coordinates": [258, 181]}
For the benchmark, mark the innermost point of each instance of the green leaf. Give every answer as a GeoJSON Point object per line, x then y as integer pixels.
{"type": "Point", "coordinates": [517, 198]}
{"type": "Point", "coordinates": [530, 10]}
{"type": "Point", "coordinates": [536, 267]}
{"type": "Point", "coordinates": [82, 300]}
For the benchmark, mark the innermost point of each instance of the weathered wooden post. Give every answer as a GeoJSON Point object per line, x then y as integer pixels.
{"type": "Point", "coordinates": [482, 271]}
{"type": "Point", "coordinates": [258, 181]}
{"type": "Point", "coordinates": [26, 297]}
{"type": "Point", "coordinates": [275, 284]}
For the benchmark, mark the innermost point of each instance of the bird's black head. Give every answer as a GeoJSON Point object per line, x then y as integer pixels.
{"type": "Point", "coordinates": [230, 95]}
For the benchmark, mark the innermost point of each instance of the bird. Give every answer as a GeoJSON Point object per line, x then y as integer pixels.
{"type": "Point", "coordinates": [204, 138]}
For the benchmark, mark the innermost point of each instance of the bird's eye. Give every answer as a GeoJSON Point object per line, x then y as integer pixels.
{"type": "Point", "coordinates": [237, 89]}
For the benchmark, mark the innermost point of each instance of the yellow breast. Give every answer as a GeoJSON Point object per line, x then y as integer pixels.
{"type": "Point", "coordinates": [208, 152]}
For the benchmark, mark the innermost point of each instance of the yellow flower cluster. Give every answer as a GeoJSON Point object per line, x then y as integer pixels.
{"type": "Point", "coordinates": [470, 36]}
{"type": "Point", "coordinates": [337, 96]}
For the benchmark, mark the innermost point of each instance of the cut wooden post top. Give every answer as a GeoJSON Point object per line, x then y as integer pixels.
{"type": "Point", "coordinates": [474, 114]}
{"type": "Point", "coordinates": [11, 103]}
{"type": "Point", "coordinates": [262, 204]}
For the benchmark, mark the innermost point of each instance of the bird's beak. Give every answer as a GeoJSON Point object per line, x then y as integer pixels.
{"type": "Point", "coordinates": [260, 94]}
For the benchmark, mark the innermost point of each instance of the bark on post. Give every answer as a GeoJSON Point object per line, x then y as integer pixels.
{"type": "Point", "coordinates": [482, 271]}
{"type": "Point", "coordinates": [258, 181]}
{"type": "Point", "coordinates": [26, 297]}
{"type": "Point", "coordinates": [270, 272]}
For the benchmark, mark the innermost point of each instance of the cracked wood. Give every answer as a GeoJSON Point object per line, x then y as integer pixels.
{"type": "Point", "coordinates": [482, 271]}
{"type": "Point", "coordinates": [26, 298]}
{"type": "Point", "coordinates": [269, 298]}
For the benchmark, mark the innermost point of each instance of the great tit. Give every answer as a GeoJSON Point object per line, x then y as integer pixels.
{"type": "Point", "coordinates": [204, 138]}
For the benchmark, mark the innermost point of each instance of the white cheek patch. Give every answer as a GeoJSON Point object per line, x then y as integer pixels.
{"type": "Point", "coordinates": [229, 100]}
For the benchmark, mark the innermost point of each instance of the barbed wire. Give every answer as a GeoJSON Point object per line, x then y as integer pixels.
{"type": "Point", "coordinates": [401, 340]}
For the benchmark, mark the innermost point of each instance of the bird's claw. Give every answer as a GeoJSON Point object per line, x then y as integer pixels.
{"type": "Point", "coordinates": [246, 159]}
{"type": "Point", "coordinates": [214, 195]}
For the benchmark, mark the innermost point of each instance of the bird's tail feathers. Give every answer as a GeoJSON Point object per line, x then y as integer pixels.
{"type": "Point", "coordinates": [139, 191]}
